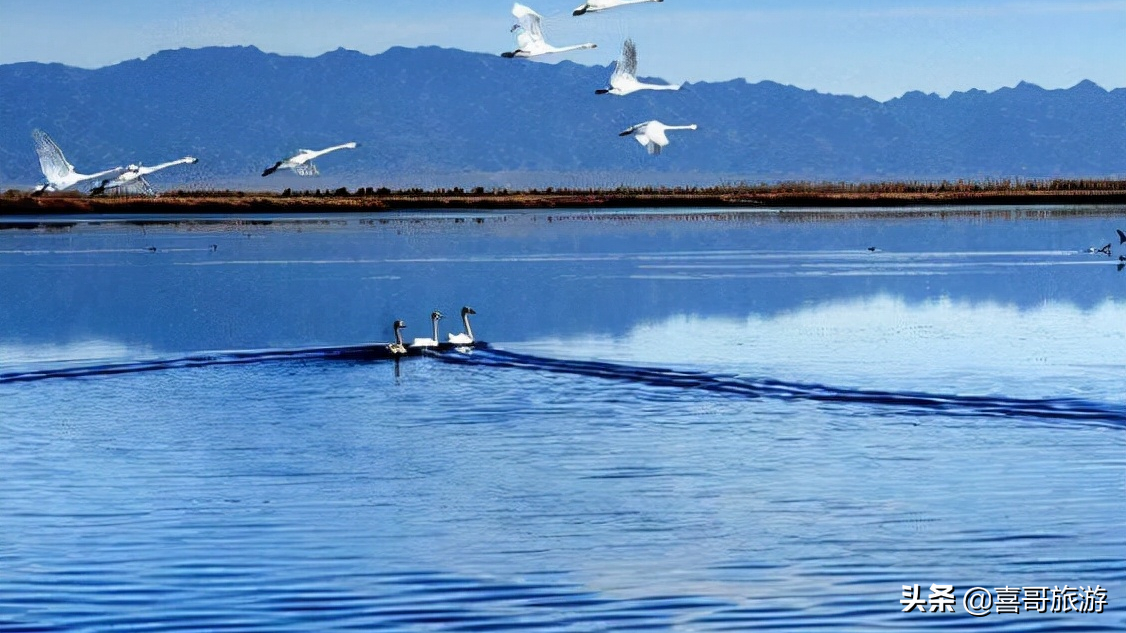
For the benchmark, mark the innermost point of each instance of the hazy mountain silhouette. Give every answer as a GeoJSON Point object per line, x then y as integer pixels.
{"type": "Point", "coordinates": [432, 115]}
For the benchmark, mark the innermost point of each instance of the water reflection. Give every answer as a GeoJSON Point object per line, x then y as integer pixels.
{"type": "Point", "coordinates": [530, 276]}
{"type": "Point", "coordinates": [984, 348]}
{"type": "Point", "coordinates": [560, 495]}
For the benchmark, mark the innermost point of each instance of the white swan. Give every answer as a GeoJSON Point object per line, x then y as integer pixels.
{"type": "Point", "coordinates": [397, 348]}
{"type": "Point", "coordinates": [467, 337]}
{"type": "Point", "coordinates": [602, 5]}
{"type": "Point", "coordinates": [624, 80]}
{"type": "Point", "coordinates": [422, 343]}
{"type": "Point", "coordinates": [529, 36]}
{"type": "Point", "coordinates": [651, 134]}
{"type": "Point", "coordinates": [60, 174]}
{"type": "Point", "coordinates": [300, 163]}
{"type": "Point", "coordinates": [132, 181]}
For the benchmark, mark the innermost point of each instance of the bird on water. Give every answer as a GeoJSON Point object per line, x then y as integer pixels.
{"type": "Point", "coordinates": [465, 338]}
{"type": "Point", "coordinates": [397, 348]}
{"type": "Point", "coordinates": [426, 343]}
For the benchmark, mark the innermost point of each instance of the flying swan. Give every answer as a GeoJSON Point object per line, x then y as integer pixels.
{"type": "Point", "coordinates": [624, 80]}
{"type": "Point", "coordinates": [529, 36]}
{"type": "Point", "coordinates": [60, 174]}
{"type": "Point", "coordinates": [602, 5]}
{"type": "Point", "coordinates": [132, 181]}
{"type": "Point", "coordinates": [651, 134]}
{"type": "Point", "coordinates": [300, 163]}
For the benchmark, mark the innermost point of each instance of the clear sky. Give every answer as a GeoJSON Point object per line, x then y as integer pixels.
{"type": "Point", "coordinates": [878, 48]}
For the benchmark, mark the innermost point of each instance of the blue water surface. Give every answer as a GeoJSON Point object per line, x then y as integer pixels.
{"type": "Point", "coordinates": [686, 421]}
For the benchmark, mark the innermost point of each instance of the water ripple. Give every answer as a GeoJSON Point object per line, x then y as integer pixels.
{"type": "Point", "coordinates": [1060, 409]}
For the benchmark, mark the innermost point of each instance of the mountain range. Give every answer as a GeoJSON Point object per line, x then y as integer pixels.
{"type": "Point", "coordinates": [434, 117]}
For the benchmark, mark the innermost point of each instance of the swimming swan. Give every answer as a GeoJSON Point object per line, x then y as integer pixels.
{"type": "Point", "coordinates": [624, 80]}
{"type": "Point", "coordinates": [651, 134]}
{"type": "Point", "coordinates": [60, 174]}
{"type": "Point", "coordinates": [467, 337]}
{"type": "Point", "coordinates": [422, 343]}
{"type": "Point", "coordinates": [602, 5]}
{"type": "Point", "coordinates": [529, 36]}
{"type": "Point", "coordinates": [300, 163]}
{"type": "Point", "coordinates": [397, 348]}
{"type": "Point", "coordinates": [133, 179]}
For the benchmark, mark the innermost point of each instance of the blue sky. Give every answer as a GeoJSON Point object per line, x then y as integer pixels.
{"type": "Point", "coordinates": [878, 48]}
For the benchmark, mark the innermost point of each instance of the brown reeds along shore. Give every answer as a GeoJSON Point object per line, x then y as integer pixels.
{"type": "Point", "coordinates": [787, 195]}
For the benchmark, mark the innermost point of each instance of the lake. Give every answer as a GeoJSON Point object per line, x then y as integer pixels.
{"type": "Point", "coordinates": [689, 421]}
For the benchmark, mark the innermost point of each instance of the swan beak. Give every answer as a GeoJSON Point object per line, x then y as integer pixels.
{"type": "Point", "coordinates": [508, 55]}
{"type": "Point", "coordinates": [626, 133]}
{"type": "Point", "coordinates": [601, 91]}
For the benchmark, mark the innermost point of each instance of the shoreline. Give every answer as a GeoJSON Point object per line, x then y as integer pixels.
{"type": "Point", "coordinates": [20, 209]}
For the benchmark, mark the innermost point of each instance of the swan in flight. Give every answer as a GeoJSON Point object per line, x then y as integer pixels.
{"type": "Point", "coordinates": [624, 80]}
{"type": "Point", "coordinates": [651, 134]}
{"type": "Point", "coordinates": [602, 5]}
{"type": "Point", "coordinates": [300, 163]}
{"type": "Point", "coordinates": [397, 348]}
{"type": "Point", "coordinates": [529, 36]}
{"type": "Point", "coordinates": [60, 174]}
{"type": "Point", "coordinates": [423, 343]}
{"type": "Point", "coordinates": [467, 337]}
{"type": "Point", "coordinates": [132, 181]}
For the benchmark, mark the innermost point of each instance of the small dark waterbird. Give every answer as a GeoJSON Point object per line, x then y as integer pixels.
{"type": "Point", "coordinates": [1121, 237]}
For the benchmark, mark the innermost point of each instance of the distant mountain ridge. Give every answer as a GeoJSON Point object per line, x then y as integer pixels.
{"type": "Point", "coordinates": [443, 117]}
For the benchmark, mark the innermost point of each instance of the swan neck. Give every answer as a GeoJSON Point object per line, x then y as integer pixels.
{"type": "Point", "coordinates": [468, 328]}
{"type": "Point", "coordinates": [398, 336]}
{"type": "Point", "coordinates": [435, 330]}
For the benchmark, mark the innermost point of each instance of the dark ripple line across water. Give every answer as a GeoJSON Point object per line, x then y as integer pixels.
{"type": "Point", "coordinates": [353, 353]}
{"type": "Point", "coordinates": [1066, 409]}
{"type": "Point", "coordinates": [1062, 409]}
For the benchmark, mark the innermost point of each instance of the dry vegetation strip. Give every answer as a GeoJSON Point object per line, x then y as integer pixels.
{"type": "Point", "coordinates": [786, 195]}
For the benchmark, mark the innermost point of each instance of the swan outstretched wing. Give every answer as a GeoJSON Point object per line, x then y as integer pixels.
{"type": "Point", "coordinates": [135, 187]}
{"type": "Point", "coordinates": [530, 21]}
{"type": "Point", "coordinates": [51, 160]}
{"type": "Point", "coordinates": [628, 63]}
{"type": "Point", "coordinates": [140, 187]}
{"type": "Point", "coordinates": [306, 169]}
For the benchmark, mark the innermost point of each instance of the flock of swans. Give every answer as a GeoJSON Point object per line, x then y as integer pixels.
{"type": "Point", "coordinates": [60, 174]}
{"type": "Point", "coordinates": [460, 341]}
{"type": "Point", "coordinates": [530, 42]}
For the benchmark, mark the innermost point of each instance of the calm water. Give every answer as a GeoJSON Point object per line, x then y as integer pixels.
{"type": "Point", "coordinates": [734, 422]}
